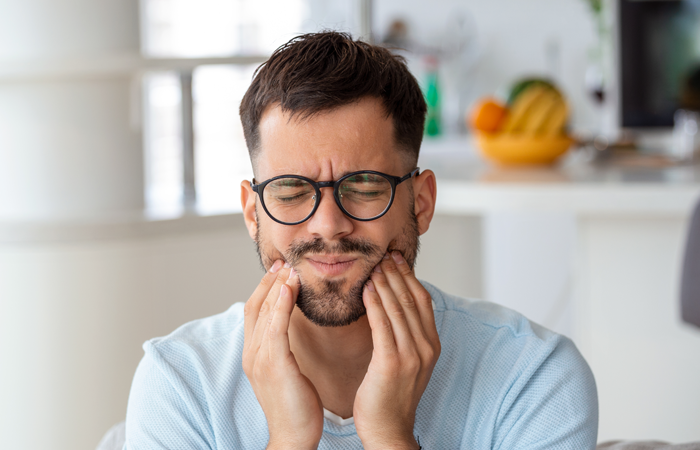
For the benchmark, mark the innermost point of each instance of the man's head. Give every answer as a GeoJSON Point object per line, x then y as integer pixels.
{"type": "Point", "coordinates": [319, 72]}
{"type": "Point", "coordinates": [322, 107]}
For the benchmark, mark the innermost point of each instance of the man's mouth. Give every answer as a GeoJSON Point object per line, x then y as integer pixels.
{"type": "Point", "coordinates": [331, 265]}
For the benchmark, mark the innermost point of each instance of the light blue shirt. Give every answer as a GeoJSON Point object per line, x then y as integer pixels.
{"type": "Point", "coordinates": [501, 382]}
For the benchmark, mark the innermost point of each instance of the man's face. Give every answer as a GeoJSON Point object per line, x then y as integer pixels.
{"type": "Point", "coordinates": [333, 254]}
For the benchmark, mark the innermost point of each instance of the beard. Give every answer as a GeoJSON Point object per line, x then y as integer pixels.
{"type": "Point", "coordinates": [337, 303]}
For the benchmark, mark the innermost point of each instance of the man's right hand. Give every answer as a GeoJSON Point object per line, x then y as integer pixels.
{"type": "Point", "coordinates": [291, 404]}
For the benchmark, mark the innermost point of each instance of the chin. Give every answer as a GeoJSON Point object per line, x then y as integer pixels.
{"type": "Point", "coordinates": [332, 302]}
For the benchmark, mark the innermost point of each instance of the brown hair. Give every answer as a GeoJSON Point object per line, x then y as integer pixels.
{"type": "Point", "coordinates": [321, 71]}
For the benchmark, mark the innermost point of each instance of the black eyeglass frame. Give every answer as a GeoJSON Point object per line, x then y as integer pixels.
{"type": "Point", "coordinates": [317, 185]}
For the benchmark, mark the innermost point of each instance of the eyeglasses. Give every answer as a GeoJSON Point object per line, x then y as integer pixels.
{"type": "Point", "coordinates": [365, 195]}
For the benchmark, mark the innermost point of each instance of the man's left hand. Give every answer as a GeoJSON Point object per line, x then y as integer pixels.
{"type": "Point", "coordinates": [406, 349]}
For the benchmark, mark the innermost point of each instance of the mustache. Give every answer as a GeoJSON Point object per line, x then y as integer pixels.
{"type": "Point", "coordinates": [297, 249]}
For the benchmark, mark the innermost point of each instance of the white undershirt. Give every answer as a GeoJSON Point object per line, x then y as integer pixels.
{"type": "Point", "coordinates": [336, 419]}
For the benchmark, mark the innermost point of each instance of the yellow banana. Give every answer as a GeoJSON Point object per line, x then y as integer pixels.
{"type": "Point", "coordinates": [539, 113]}
{"type": "Point", "coordinates": [521, 107]}
{"type": "Point", "coordinates": [554, 126]}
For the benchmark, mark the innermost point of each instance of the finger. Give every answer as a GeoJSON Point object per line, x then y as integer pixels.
{"type": "Point", "coordinates": [402, 335]}
{"type": "Point", "coordinates": [294, 284]}
{"type": "Point", "coordinates": [382, 332]}
{"type": "Point", "coordinates": [267, 307]}
{"type": "Point", "coordinates": [252, 306]}
{"type": "Point", "coordinates": [277, 336]}
{"type": "Point", "coordinates": [421, 296]}
{"type": "Point", "coordinates": [395, 277]}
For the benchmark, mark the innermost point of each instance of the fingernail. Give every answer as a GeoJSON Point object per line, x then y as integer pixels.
{"type": "Point", "coordinates": [286, 264]}
{"type": "Point", "coordinates": [370, 286]}
{"type": "Point", "coordinates": [283, 290]}
{"type": "Point", "coordinates": [398, 259]}
{"type": "Point", "coordinates": [378, 268]}
{"type": "Point", "coordinates": [276, 266]}
{"type": "Point", "coordinates": [386, 255]}
{"type": "Point", "coordinates": [292, 274]}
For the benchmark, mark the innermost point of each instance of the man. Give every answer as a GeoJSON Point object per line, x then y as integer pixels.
{"type": "Point", "coordinates": [340, 346]}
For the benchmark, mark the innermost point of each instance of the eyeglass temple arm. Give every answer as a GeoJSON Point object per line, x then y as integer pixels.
{"type": "Point", "coordinates": [410, 175]}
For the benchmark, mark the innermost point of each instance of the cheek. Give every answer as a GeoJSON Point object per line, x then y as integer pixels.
{"type": "Point", "coordinates": [383, 232]}
{"type": "Point", "coordinates": [272, 240]}
{"type": "Point", "coordinates": [395, 223]}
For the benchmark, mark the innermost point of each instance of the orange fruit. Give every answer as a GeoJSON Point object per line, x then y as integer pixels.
{"type": "Point", "coordinates": [487, 115]}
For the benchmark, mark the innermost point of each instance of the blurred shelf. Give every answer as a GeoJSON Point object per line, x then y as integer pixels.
{"type": "Point", "coordinates": [108, 67]}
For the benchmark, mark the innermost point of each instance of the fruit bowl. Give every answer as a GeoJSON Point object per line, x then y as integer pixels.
{"type": "Point", "coordinates": [514, 149]}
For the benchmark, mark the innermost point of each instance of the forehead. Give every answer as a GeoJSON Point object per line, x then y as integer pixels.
{"type": "Point", "coordinates": [329, 144]}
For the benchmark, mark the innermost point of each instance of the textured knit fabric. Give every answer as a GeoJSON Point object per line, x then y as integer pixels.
{"type": "Point", "coordinates": [501, 382]}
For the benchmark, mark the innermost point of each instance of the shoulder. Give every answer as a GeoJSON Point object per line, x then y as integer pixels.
{"type": "Point", "coordinates": [187, 382]}
{"type": "Point", "coordinates": [457, 314]}
{"type": "Point", "coordinates": [202, 331]}
{"type": "Point", "coordinates": [497, 333]}
{"type": "Point", "coordinates": [515, 373]}
{"type": "Point", "coordinates": [201, 342]}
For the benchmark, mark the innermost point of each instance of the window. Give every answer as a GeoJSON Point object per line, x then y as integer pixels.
{"type": "Point", "coordinates": [218, 43]}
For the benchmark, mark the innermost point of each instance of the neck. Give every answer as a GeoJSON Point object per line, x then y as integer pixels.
{"type": "Point", "coordinates": [335, 359]}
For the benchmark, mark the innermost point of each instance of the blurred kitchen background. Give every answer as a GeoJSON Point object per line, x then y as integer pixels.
{"type": "Point", "coordinates": [121, 154]}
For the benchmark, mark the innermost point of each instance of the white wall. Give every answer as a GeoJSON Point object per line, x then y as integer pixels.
{"type": "Point", "coordinates": [68, 148]}
{"type": "Point", "coordinates": [74, 313]}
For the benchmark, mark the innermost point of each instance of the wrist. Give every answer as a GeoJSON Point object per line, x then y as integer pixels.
{"type": "Point", "coordinates": [286, 444]}
{"type": "Point", "coordinates": [403, 444]}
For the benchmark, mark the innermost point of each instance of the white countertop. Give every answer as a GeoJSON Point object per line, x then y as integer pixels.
{"type": "Point", "coordinates": [469, 185]}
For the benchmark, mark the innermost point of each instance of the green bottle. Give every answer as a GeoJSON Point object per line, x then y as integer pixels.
{"type": "Point", "coordinates": [433, 121]}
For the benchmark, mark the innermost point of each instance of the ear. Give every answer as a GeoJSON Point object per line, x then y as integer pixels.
{"type": "Point", "coordinates": [248, 199]}
{"type": "Point", "coordinates": [424, 195]}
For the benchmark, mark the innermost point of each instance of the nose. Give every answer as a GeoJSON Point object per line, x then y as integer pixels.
{"type": "Point", "coordinates": [329, 222]}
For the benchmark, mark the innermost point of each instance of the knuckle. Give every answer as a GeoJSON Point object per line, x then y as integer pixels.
{"type": "Point", "coordinates": [424, 296]}
{"type": "Point", "coordinates": [412, 363]}
{"type": "Point", "coordinates": [268, 280]}
{"type": "Point", "coordinates": [375, 300]}
{"type": "Point", "coordinates": [428, 353]}
{"type": "Point", "coordinates": [247, 308]}
{"type": "Point", "coordinates": [265, 307]}
{"type": "Point", "coordinates": [395, 311]}
{"type": "Point", "coordinates": [404, 269]}
{"type": "Point", "coordinates": [379, 278]}
{"type": "Point", "coordinates": [389, 266]}
{"type": "Point", "coordinates": [384, 324]}
{"type": "Point", "coordinates": [399, 313]}
{"type": "Point", "coordinates": [406, 299]}
{"type": "Point", "coordinates": [282, 276]}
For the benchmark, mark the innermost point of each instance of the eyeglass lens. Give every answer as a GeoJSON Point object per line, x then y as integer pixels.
{"type": "Point", "coordinates": [363, 196]}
